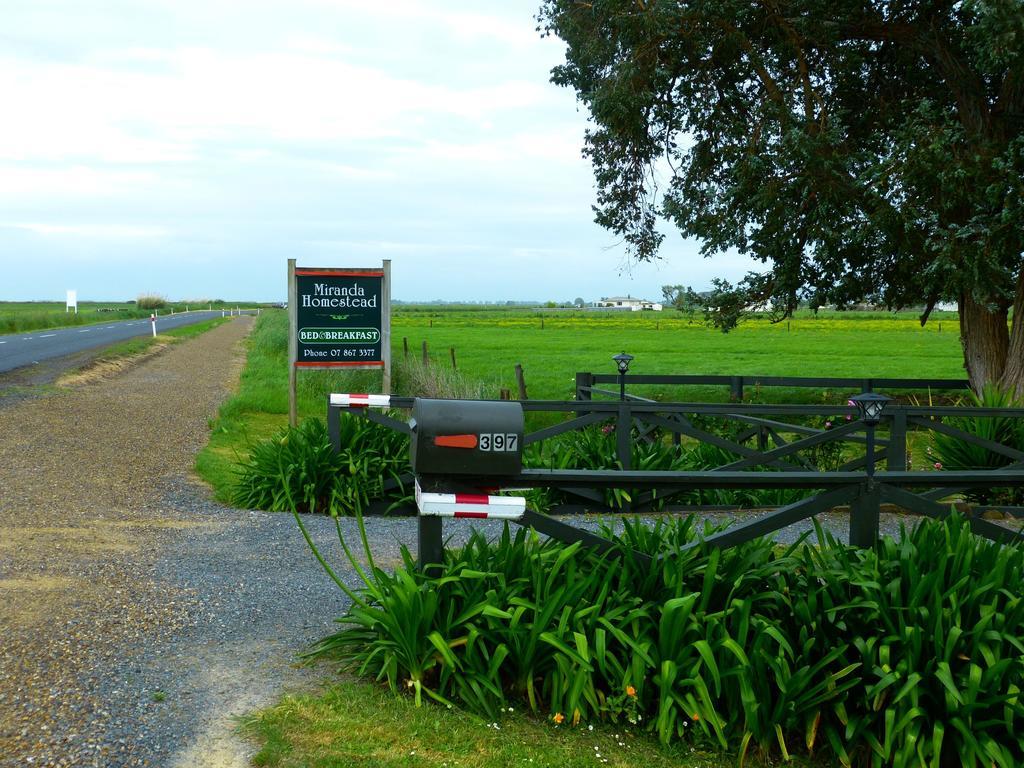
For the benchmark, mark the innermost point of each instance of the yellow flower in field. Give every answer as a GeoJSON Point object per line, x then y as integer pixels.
{"type": "Point", "coordinates": [695, 717]}
{"type": "Point", "coordinates": [630, 691]}
{"type": "Point", "coordinates": [558, 717]}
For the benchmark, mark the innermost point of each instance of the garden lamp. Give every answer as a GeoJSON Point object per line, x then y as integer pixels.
{"type": "Point", "coordinates": [622, 362]}
{"type": "Point", "coordinates": [870, 406]}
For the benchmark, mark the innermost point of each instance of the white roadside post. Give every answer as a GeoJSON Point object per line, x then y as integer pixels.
{"type": "Point", "coordinates": [152, 322]}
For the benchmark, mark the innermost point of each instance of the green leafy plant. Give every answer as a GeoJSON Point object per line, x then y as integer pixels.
{"type": "Point", "coordinates": [954, 453]}
{"type": "Point", "coordinates": [908, 654]}
{"type": "Point", "coordinates": [300, 465]}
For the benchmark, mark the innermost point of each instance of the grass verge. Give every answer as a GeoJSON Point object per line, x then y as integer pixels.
{"type": "Point", "coordinates": [360, 724]}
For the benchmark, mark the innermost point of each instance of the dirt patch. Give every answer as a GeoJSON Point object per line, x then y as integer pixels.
{"type": "Point", "coordinates": [33, 601]}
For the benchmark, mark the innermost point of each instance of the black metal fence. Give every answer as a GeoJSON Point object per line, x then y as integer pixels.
{"type": "Point", "coordinates": [587, 384]}
{"type": "Point", "coordinates": [767, 448]}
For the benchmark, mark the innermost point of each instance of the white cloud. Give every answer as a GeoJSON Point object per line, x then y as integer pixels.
{"type": "Point", "coordinates": [99, 231]}
{"type": "Point", "coordinates": [20, 183]}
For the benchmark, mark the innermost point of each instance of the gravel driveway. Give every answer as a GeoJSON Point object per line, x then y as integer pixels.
{"type": "Point", "coordinates": [138, 617]}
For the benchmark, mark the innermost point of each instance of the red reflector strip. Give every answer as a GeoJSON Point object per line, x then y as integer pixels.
{"type": "Point", "coordinates": [361, 401]}
{"type": "Point", "coordinates": [475, 515]}
{"type": "Point", "coordinates": [471, 498]}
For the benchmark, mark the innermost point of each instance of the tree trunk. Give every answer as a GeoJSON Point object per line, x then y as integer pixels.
{"type": "Point", "coordinates": [1013, 374]}
{"type": "Point", "coordinates": [986, 341]}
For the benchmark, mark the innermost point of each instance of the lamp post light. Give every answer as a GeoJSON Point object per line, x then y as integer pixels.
{"type": "Point", "coordinates": [865, 508]}
{"type": "Point", "coordinates": [622, 362]}
{"type": "Point", "coordinates": [869, 409]}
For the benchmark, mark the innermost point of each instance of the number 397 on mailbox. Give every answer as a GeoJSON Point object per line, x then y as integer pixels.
{"type": "Point", "coordinates": [499, 441]}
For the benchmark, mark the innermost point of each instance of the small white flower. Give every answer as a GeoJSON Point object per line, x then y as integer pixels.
{"type": "Point", "coordinates": [590, 727]}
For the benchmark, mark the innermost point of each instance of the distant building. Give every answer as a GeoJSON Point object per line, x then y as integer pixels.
{"type": "Point", "coordinates": [628, 303]}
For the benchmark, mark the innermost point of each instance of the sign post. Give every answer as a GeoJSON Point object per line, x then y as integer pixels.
{"type": "Point", "coordinates": [72, 301]}
{"type": "Point", "coordinates": [339, 317]}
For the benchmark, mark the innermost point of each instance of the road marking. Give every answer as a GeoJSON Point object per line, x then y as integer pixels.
{"type": "Point", "coordinates": [47, 335]}
{"type": "Point", "coordinates": [86, 330]}
{"type": "Point", "coordinates": [3, 342]}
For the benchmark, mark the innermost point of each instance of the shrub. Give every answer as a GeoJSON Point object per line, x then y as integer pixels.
{"type": "Point", "coordinates": [299, 468]}
{"type": "Point", "coordinates": [412, 378]}
{"type": "Point", "coordinates": [151, 302]}
{"type": "Point", "coordinates": [908, 654]}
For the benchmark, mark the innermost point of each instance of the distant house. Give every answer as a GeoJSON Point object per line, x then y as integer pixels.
{"type": "Point", "coordinates": [628, 303]}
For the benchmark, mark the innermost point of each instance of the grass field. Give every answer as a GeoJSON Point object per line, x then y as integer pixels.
{"type": "Point", "coordinates": [21, 316]}
{"type": "Point", "coordinates": [490, 344]}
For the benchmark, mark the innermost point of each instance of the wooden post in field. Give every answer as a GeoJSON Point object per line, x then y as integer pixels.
{"type": "Point", "coordinates": [452, 351]}
{"type": "Point", "coordinates": [542, 323]}
{"type": "Point", "coordinates": [426, 358]}
{"type": "Point", "coordinates": [405, 346]}
{"type": "Point", "coordinates": [521, 381]}
{"type": "Point", "coordinates": [505, 394]}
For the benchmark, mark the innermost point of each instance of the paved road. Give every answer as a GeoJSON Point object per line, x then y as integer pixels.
{"type": "Point", "coordinates": [19, 350]}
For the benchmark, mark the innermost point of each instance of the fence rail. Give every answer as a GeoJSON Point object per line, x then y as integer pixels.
{"type": "Point", "coordinates": [765, 447]}
{"type": "Point", "coordinates": [586, 381]}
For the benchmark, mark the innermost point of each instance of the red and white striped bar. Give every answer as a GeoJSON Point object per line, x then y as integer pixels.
{"type": "Point", "coordinates": [471, 505]}
{"type": "Point", "coordinates": [361, 401]}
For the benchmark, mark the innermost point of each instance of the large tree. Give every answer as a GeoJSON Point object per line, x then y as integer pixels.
{"type": "Point", "coordinates": [863, 150]}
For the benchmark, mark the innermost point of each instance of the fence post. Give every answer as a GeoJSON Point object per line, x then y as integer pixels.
{"type": "Point", "coordinates": [521, 381]}
{"type": "Point", "coordinates": [896, 461]}
{"type": "Point", "coordinates": [405, 346]}
{"type": "Point", "coordinates": [623, 441]}
{"type": "Point", "coordinates": [864, 511]}
{"type": "Point", "coordinates": [504, 394]}
{"type": "Point", "coordinates": [334, 427]}
{"type": "Point", "coordinates": [426, 358]}
{"type": "Point", "coordinates": [430, 546]}
{"type": "Point", "coordinates": [452, 351]}
{"type": "Point", "coordinates": [736, 389]}
{"type": "Point", "coordinates": [584, 381]}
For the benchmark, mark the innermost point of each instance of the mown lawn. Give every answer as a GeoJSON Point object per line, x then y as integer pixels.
{"type": "Point", "coordinates": [361, 724]}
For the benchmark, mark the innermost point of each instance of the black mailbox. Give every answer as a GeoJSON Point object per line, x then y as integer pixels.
{"type": "Point", "coordinates": [466, 437]}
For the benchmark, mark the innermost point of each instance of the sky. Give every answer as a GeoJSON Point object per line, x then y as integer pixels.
{"type": "Point", "coordinates": [189, 149]}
